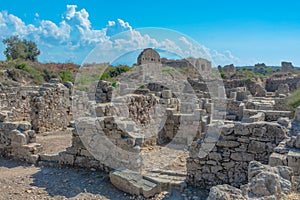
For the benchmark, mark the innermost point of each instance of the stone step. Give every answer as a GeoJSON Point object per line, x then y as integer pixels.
{"type": "Point", "coordinates": [168, 180]}
{"type": "Point", "coordinates": [149, 184]}
{"type": "Point", "coordinates": [134, 183]}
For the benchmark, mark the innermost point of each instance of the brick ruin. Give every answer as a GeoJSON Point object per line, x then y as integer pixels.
{"type": "Point", "coordinates": [254, 125]}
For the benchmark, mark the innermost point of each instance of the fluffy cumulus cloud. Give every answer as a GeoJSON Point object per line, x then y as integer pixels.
{"type": "Point", "coordinates": [119, 26]}
{"type": "Point", "coordinates": [74, 37]}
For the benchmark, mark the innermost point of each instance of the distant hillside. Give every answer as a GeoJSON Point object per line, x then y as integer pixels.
{"type": "Point", "coordinates": [19, 72]}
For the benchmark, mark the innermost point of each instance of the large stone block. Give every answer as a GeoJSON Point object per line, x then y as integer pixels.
{"type": "Point", "coordinates": [293, 158]}
{"type": "Point", "coordinates": [225, 192]}
{"type": "Point", "coordinates": [277, 159]}
{"type": "Point", "coordinates": [134, 183]}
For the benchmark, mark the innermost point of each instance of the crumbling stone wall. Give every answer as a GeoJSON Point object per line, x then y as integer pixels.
{"type": "Point", "coordinates": [270, 115]}
{"type": "Point", "coordinates": [46, 107]}
{"type": "Point", "coordinates": [255, 87]}
{"type": "Point", "coordinates": [202, 65]}
{"type": "Point", "coordinates": [286, 66]}
{"type": "Point", "coordinates": [16, 102]}
{"type": "Point", "coordinates": [51, 108]}
{"type": "Point", "coordinates": [229, 68]}
{"type": "Point", "coordinates": [287, 154]}
{"type": "Point", "coordinates": [17, 141]}
{"type": "Point", "coordinates": [273, 83]}
{"type": "Point", "coordinates": [229, 157]}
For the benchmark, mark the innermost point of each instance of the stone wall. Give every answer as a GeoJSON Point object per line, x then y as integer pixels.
{"type": "Point", "coordinates": [270, 115]}
{"type": "Point", "coordinates": [16, 102]}
{"type": "Point", "coordinates": [225, 159]}
{"type": "Point", "coordinates": [287, 154]}
{"type": "Point", "coordinates": [229, 68]}
{"type": "Point", "coordinates": [51, 108]}
{"type": "Point", "coordinates": [286, 66]}
{"type": "Point", "coordinates": [272, 83]}
{"type": "Point", "coordinates": [48, 107]}
{"type": "Point", "coordinates": [17, 141]}
{"type": "Point", "coordinates": [255, 87]}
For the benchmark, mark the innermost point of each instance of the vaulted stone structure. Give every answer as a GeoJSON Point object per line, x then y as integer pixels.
{"type": "Point", "coordinates": [148, 56]}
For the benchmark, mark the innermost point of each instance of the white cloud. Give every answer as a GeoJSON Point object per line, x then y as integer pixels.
{"type": "Point", "coordinates": [224, 58]}
{"type": "Point", "coordinates": [74, 37]}
{"type": "Point", "coordinates": [113, 27]}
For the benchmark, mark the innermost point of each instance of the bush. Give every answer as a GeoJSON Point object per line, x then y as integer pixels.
{"type": "Point", "coordinates": [66, 76]}
{"type": "Point", "coordinates": [112, 72]}
{"type": "Point", "coordinates": [48, 74]}
{"type": "Point", "coordinates": [21, 66]}
{"type": "Point", "coordinates": [114, 84]}
{"type": "Point", "coordinates": [294, 100]}
{"type": "Point", "coordinates": [222, 74]}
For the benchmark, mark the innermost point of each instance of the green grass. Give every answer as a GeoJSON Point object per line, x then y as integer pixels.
{"type": "Point", "coordinates": [171, 71]}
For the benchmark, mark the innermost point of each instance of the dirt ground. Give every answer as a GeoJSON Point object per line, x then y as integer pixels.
{"type": "Point", "coordinates": [20, 181]}
{"type": "Point", "coordinates": [55, 142]}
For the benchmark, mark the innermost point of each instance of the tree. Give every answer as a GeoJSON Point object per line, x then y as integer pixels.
{"type": "Point", "coordinates": [20, 49]}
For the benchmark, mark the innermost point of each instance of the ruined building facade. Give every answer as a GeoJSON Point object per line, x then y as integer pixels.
{"type": "Point", "coordinates": [148, 56]}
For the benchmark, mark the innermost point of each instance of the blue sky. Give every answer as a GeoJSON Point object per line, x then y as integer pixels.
{"type": "Point", "coordinates": [239, 32]}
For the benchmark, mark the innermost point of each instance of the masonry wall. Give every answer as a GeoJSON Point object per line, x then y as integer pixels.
{"type": "Point", "coordinates": [228, 159]}
{"type": "Point", "coordinates": [16, 102]}
{"type": "Point", "coordinates": [272, 84]}
{"type": "Point", "coordinates": [51, 108]}
{"type": "Point", "coordinates": [17, 141]}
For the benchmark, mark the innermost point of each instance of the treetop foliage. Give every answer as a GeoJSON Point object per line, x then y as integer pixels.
{"type": "Point", "coordinates": [20, 49]}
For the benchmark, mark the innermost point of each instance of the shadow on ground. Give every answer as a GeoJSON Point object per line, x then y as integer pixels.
{"type": "Point", "coordinates": [71, 182]}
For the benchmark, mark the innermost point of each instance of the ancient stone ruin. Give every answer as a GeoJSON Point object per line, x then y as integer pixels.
{"type": "Point", "coordinates": [155, 131]}
{"type": "Point", "coordinates": [286, 66]}
{"type": "Point", "coordinates": [148, 56]}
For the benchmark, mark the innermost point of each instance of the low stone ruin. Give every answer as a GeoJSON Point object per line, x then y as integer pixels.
{"type": "Point", "coordinates": [155, 136]}
{"type": "Point", "coordinates": [264, 182]}
{"type": "Point", "coordinates": [17, 140]}
{"type": "Point", "coordinates": [227, 162]}
{"type": "Point", "coordinates": [47, 108]}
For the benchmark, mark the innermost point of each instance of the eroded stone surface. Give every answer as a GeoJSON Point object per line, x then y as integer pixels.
{"type": "Point", "coordinates": [133, 182]}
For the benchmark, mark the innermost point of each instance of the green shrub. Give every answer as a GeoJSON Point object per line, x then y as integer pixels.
{"type": "Point", "coordinates": [48, 74]}
{"type": "Point", "coordinates": [294, 100]}
{"type": "Point", "coordinates": [21, 66]}
{"type": "Point", "coordinates": [222, 74]}
{"type": "Point", "coordinates": [66, 76]}
{"type": "Point", "coordinates": [115, 84]}
{"type": "Point", "coordinates": [111, 72]}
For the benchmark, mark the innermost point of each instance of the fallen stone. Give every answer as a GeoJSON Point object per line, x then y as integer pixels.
{"type": "Point", "coordinates": [225, 192]}
{"type": "Point", "coordinates": [134, 183]}
{"type": "Point", "coordinates": [265, 181]}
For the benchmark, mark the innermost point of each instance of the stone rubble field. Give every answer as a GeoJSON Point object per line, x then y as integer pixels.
{"type": "Point", "coordinates": [197, 137]}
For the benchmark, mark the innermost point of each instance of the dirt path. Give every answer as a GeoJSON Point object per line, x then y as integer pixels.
{"type": "Point", "coordinates": [19, 181]}
{"type": "Point", "coordinates": [54, 142]}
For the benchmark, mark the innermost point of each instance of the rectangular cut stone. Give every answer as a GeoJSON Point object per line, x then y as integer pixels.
{"type": "Point", "coordinates": [293, 158]}
{"type": "Point", "coordinates": [277, 159]}
{"type": "Point", "coordinates": [134, 183]}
